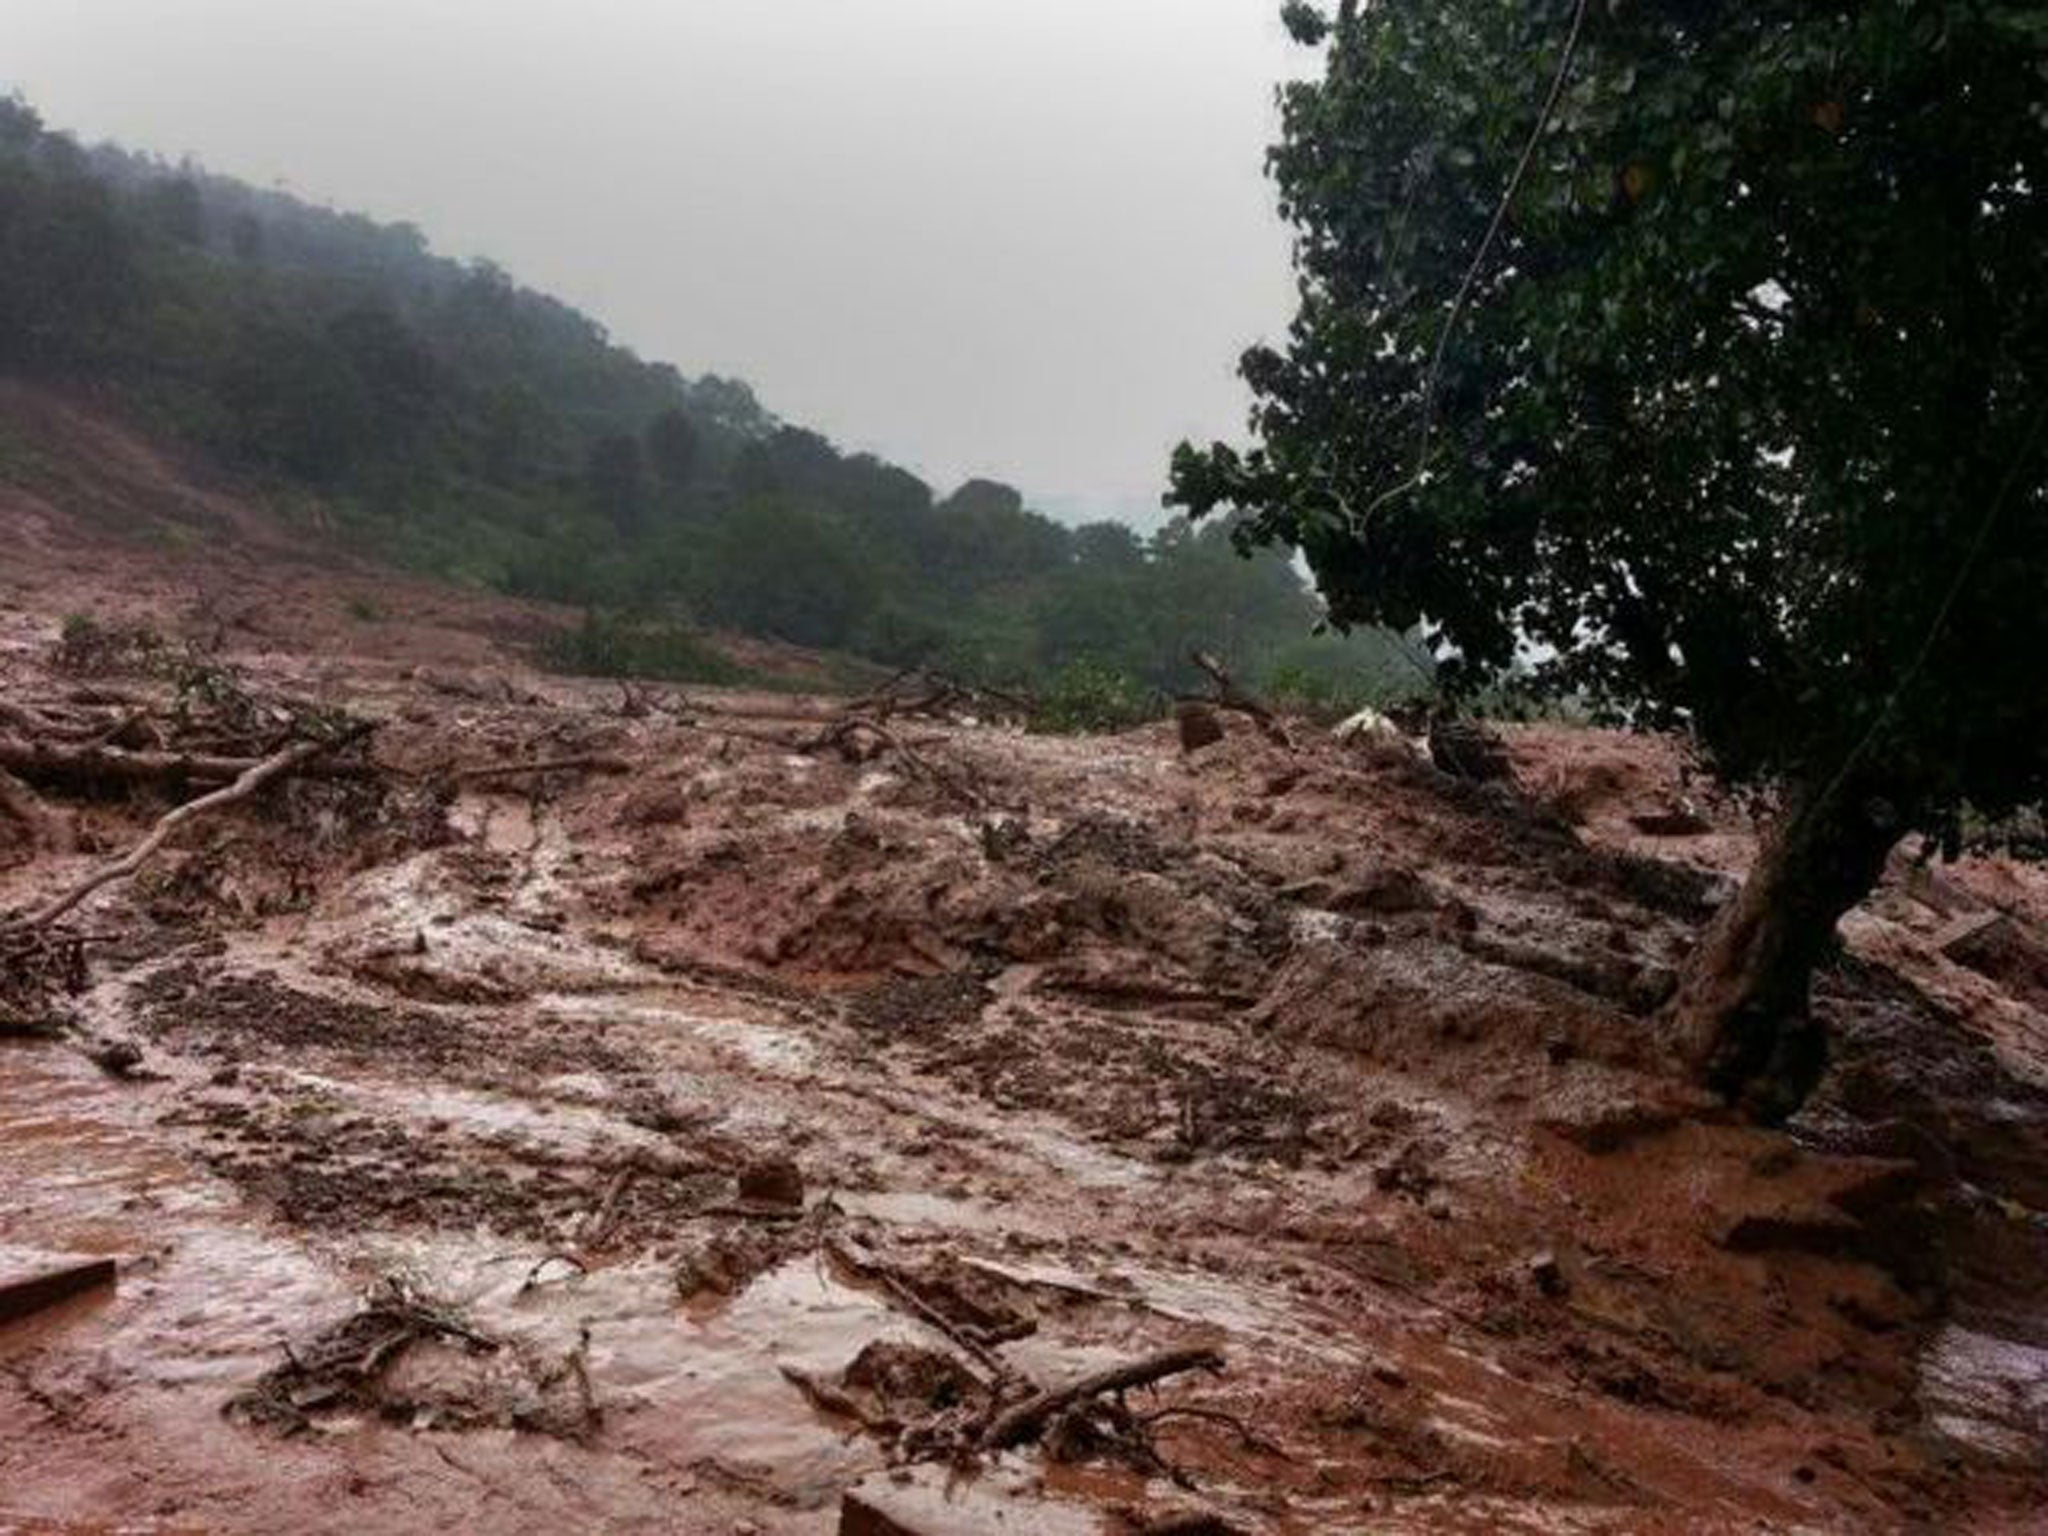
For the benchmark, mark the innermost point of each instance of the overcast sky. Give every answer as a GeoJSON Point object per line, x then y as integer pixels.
{"type": "Point", "coordinates": [1019, 238]}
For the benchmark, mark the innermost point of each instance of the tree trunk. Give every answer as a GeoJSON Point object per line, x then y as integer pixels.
{"type": "Point", "coordinates": [1742, 1013]}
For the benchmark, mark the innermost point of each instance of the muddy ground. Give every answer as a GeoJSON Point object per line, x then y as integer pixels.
{"type": "Point", "coordinates": [564, 1151]}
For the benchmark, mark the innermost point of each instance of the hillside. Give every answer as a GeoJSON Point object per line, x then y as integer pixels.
{"type": "Point", "coordinates": [437, 416]}
{"type": "Point", "coordinates": [112, 524]}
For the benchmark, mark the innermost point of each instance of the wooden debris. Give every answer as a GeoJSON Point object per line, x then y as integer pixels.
{"type": "Point", "coordinates": [1229, 695]}
{"type": "Point", "coordinates": [1465, 749]}
{"type": "Point", "coordinates": [31, 1281]}
{"type": "Point", "coordinates": [49, 763]}
{"type": "Point", "coordinates": [920, 691]}
{"type": "Point", "coordinates": [588, 763]}
{"type": "Point", "coordinates": [871, 1267]}
{"type": "Point", "coordinates": [251, 779]}
{"type": "Point", "coordinates": [845, 735]}
{"type": "Point", "coordinates": [1026, 1420]}
{"type": "Point", "coordinates": [341, 1368]}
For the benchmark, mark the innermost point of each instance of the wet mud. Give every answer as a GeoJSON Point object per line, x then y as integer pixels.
{"type": "Point", "coordinates": [690, 1149]}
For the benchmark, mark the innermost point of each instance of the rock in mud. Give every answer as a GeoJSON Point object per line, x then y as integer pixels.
{"type": "Point", "coordinates": [1411, 1171]}
{"type": "Point", "coordinates": [1682, 822]}
{"type": "Point", "coordinates": [937, 1501]}
{"type": "Point", "coordinates": [908, 1381]}
{"type": "Point", "coordinates": [1384, 890]}
{"type": "Point", "coordinates": [117, 1058]}
{"type": "Point", "coordinates": [1605, 1125]}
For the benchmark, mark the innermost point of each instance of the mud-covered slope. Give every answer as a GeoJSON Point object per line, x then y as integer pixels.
{"type": "Point", "coordinates": [101, 517]}
{"type": "Point", "coordinates": [560, 1150]}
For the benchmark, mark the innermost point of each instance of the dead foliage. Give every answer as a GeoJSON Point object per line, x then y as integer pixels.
{"type": "Point", "coordinates": [343, 1367]}
{"type": "Point", "coordinates": [36, 970]}
{"type": "Point", "coordinates": [357, 1366]}
{"type": "Point", "coordinates": [920, 692]}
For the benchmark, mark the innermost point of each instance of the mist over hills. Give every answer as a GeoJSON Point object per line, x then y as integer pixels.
{"type": "Point", "coordinates": [441, 416]}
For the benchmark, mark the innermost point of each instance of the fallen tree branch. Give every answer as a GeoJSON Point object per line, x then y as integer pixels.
{"type": "Point", "coordinates": [1017, 1424]}
{"type": "Point", "coordinates": [588, 763]}
{"type": "Point", "coordinates": [919, 691]}
{"type": "Point", "coordinates": [765, 738]}
{"type": "Point", "coordinates": [43, 762]}
{"type": "Point", "coordinates": [30, 721]}
{"type": "Point", "coordinates": [251, 779]}
{"type": "Point", "coordinates": [841, 733]}
{"type": "Point", "coordinates": [876, 1269]}
{"type": "Point", "coordinates": [341, 1368]}
{"type": "Point", "coordinates": [598, 1230]}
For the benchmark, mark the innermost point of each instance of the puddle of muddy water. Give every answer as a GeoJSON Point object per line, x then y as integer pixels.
{"type": "Point", "coordinates": [203, 1296]}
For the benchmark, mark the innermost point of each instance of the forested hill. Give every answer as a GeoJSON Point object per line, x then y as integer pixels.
{"type": "Point", "coordinates": [448, 419]}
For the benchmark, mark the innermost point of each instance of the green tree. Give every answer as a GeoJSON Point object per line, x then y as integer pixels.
{"type": "Point", "coordinates": [776, 567]}
{"type": "Point", "coordinates": [1720, 394]}
{"type": "Point", "coordinates": [68, 277]}
{"type": "Point", "coordinates": [294, 399]}
{"type": "Point", "coordinates": [615, 478]}
{"type": "Point", "coordinates": [176, 209]}
{"type": "Point", "coordinates": [672, 447]}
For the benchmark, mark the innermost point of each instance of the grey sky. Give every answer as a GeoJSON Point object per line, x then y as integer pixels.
{"type": "Point", "coordinates": [1022, 238]}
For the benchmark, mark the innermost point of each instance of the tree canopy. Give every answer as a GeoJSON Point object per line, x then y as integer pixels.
{"type": "Point", "coordinates": [1691, 360]}
{"type": "Point", "coordinates": [1738, 425]}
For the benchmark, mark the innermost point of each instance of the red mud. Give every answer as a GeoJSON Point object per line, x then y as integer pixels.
{"type": "Point", "coordinates": [1081, 1048]}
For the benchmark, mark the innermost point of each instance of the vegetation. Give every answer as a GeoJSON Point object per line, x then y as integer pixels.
{"type": "Point", "coordinates": [1085, 696]}
{"type": "Point", "coordinates": [448, 419]}
{"type": "Point", "coordinates": [1733, 423]}
{"type": "Point", "coordinates": [611, 647]}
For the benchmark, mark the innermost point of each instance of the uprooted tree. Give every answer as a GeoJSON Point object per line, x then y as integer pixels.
{"type": "Point", "coordinates": [1690, 360]}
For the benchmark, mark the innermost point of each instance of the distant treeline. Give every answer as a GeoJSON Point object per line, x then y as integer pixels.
{"type": "Point", "coordinates": [456, 422]}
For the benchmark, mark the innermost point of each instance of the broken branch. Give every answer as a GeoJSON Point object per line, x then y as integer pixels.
{"type": "Point", "coordinates": [1230, 696]}
{"type": "Point", "coordinates": [880, 1272]}
{"type": "Point", "coordinates": [583, 764]}
{"type": "Point", "coordinates": [1015, 1425]}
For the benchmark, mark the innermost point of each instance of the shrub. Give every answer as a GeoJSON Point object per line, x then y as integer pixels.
{"type": "Point", "coordinates": [607, 646]}
{"type": "Point", "coordinates": [1086, 696]}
